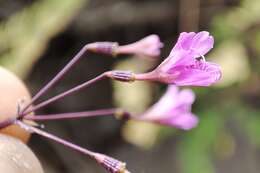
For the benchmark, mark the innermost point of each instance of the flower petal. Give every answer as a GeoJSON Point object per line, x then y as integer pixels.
{"type": "Point", "coordinates": [184, 121]}
{"type": "Point", "coordinates": [202, 42]}
{"type": "Point", "coordinates": [186, 96]}
{"type": "Point", "coordinates": [198, 74]}
{"type": "Point", "coordinates": [177, 58]}
{"type": "Point", "coordinates": [198, 43]}
{"type": "Point", "coordinates": [162, 107]}
{"type": "Point", "coordinates": [173, 109]}
{"type": "Point", "coordinates": [194, 44]}
{"type": "Point", "coordinates": [184, 41]}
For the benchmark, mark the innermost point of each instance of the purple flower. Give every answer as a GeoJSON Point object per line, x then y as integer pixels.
{"type": "Point", "coordinates": [173, 109]}
{"type": "Point", "coordinates": [147, 47]}
{"type": "Point", "coordinates": [186, 64]}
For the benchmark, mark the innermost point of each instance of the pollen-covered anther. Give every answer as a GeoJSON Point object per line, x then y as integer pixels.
{"type": "Point", "coordinates": [110, 164]}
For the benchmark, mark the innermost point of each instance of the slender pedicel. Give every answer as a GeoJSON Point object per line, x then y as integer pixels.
{"type": "Point", "coordinates": [74, 115]}
{"type": "Point", "coordinates": [7, 122]}
{"type": "Point", "coordinates": [66, 93]}
{"type": "Point", "coordinates": [32, 129]}
{"type": "Point", "coordinates": [151, 43]}
{"type": "Point", "coordinates": [110, 164]}
{"type": "Point", "coordinates": [123, 76]}
{"type": "Point", "coordinates": [57, 78]}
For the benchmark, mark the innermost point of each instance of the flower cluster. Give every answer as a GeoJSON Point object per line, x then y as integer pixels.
{"type": "Point", "coordinates": [185, 66]}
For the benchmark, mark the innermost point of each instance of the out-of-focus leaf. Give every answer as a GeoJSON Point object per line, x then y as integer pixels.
{"type": "Point", "coordinates": [231, 56]}
{"type": "Point", "coordinates": [136, 97]}
{"type": "Point", "coordinates": [25, 35]}
{"type": "Point", "coordinates": [141, 134]}
{"type": "Point", "coordinates": [226, 25]}
{"type": "Point", "coordinates": [251, 122]}
{"type": "Point", "coordinates": [195, 149]}
{"type": "Point", "coordinates": [224, 146]}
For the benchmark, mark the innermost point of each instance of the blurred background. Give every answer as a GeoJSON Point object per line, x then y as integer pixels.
{"type": "Point", "coordinates": [38, 37]}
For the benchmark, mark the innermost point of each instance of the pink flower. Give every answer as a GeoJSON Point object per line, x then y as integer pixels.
{"type": "Point", "coordinates": [147, 47]}
{"type": "Point", "coordinates": [186, 64]}
{"type": "Point", "coordinates": [173, 109]}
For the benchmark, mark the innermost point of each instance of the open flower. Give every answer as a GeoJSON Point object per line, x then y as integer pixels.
{"type": "Point", "coordinates": [186, 64]}
{"type": "Point", "coordinates": [173, 109]}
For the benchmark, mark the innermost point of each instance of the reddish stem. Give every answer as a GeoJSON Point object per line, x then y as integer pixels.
{"type": "Point", "coordinates": [110, 164]}
{"type": "Point", "coordinates": [66, 93]}
{"type": "Point", "coordinates": [57, 78]}
{"type": "Point", "coordinates": [74, 115]}
{"type": "Point", "coordinates": [54, 138]}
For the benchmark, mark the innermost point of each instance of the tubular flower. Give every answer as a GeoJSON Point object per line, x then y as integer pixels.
{"type": "Point", "coordinates": [173, 109]}
{"type": "Point", "coordinates": [186, 64]}
{"type": "Point", "coordinates": [147, 47]}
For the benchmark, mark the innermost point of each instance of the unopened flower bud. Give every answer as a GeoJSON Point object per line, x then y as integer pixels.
{"type": "Point", "coordinates": [147, 47]}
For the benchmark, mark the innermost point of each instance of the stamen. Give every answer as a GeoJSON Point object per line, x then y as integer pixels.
{"type": "Point", "coordinates": [202, 57]}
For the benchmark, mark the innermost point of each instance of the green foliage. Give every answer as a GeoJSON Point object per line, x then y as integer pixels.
{"type": "Point", "coordinates": [25, 35]}
{"type": "Point", "coordinates": [196, 148]}
{"type": "Point", "coordinates": [250, 120]}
